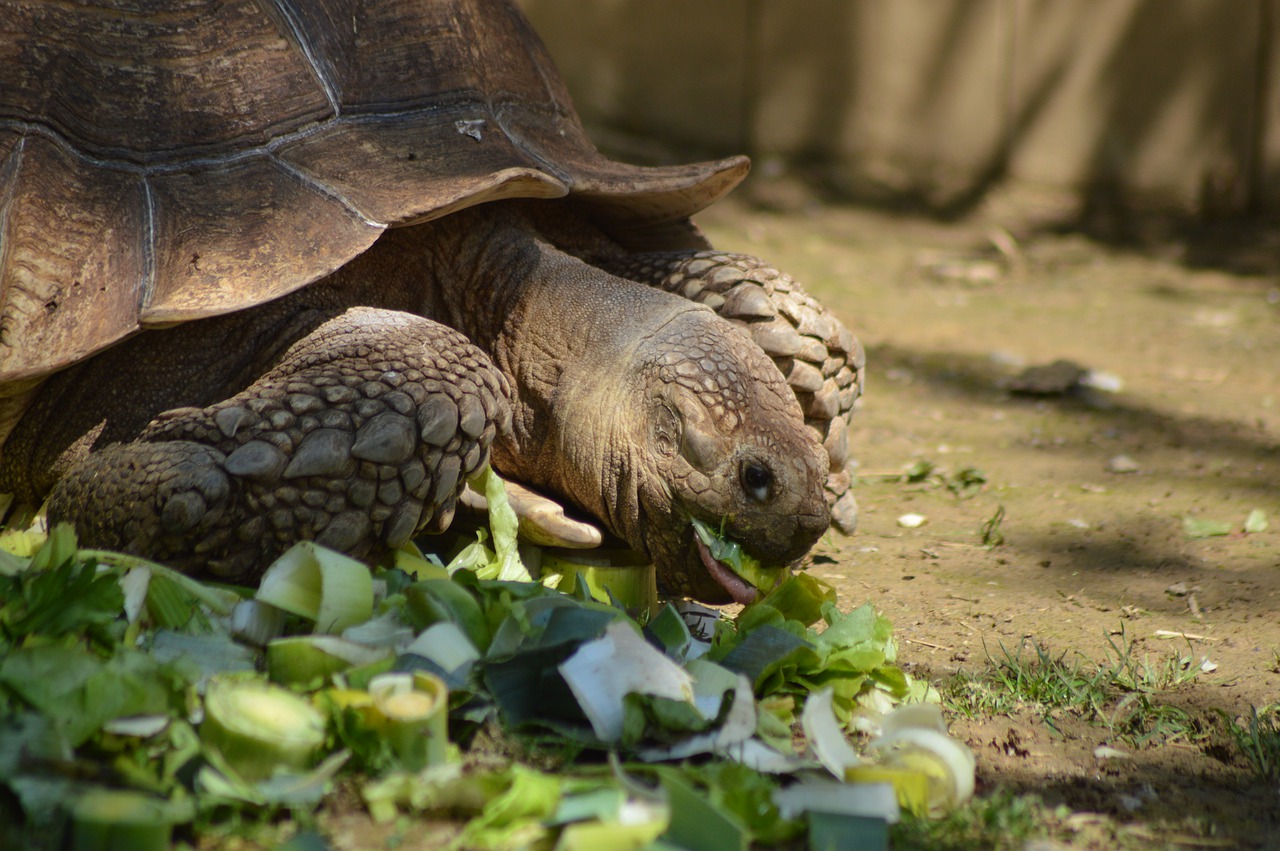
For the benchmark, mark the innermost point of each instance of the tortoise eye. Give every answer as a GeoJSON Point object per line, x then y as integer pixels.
{"type": "Point", "coordinates": [756, 480]}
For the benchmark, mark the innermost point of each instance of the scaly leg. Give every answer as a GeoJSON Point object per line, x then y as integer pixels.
{"type": "Point", "coordinates": [363, 434]}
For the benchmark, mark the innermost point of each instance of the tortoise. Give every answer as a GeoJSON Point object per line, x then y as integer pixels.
{"type": "Point", "coordinates": [275, 271]}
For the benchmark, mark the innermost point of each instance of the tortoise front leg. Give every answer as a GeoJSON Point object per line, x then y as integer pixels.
{"type": "Point", "coordinates": [364, 433]}
{"type": "Point", "coordinates": [821, 359]}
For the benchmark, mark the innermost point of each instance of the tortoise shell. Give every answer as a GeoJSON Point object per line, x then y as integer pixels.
{"type": "Point", "coordinates": [166, 161]}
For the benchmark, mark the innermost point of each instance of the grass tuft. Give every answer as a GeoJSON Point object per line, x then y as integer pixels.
{"type": "Point", "coordinates": [1120, 692]}
{"type": "Point", "coordinates": [1258, 738]}
{"type": "Point", "coordinates": [999, 820]}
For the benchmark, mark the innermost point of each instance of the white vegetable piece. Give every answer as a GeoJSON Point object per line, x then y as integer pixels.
{"type": "Point", "coordinates": [602, 672]}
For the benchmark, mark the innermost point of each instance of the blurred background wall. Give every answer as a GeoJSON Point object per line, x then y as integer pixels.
{"type": "Point", "coordinates": [1171, 104]}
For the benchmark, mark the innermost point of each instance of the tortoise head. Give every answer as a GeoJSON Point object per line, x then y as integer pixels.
{"type": "Point", "coordinates": [725, 443]}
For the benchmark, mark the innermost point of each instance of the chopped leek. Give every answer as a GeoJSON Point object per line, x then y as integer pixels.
{"type": "Point", "coordinates": [107, 819]}
{"type": "Point", "coordinates": [258, 728]}
{"type": "Point", "coordinates": [605, 574]}
{"type": "Point", "coordinates": [412, 713]}
{"type": "Point", "coordinates": [302, 659]}
{"type": "Point", "coordinates": [320, 585]}
{"type": "Point", "coordinates": [602, 672]}
{"type": "Point", "coordinates": [946, 764]}
{"type": "Point", "coordinates": [256, 622]}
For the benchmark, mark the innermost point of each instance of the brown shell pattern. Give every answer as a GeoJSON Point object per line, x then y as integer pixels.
{"type": "Point", "coordinates": [166, 161]}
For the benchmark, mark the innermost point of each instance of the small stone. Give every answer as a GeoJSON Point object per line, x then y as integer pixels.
{"type": "Point", "coordinates": [911, 520]}
{"type": "Point", "coordinates": [1106, 382]}
{"type": "Point", "coordinates": [1122, 464]}
{"type": "Point", "coordinates": [1061, 376]}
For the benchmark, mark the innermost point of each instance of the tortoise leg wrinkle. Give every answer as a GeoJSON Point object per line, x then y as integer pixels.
{"type": "Point", "coordinates": [822, 360]}
{"type": "Point", "coordinates": [363, 434]}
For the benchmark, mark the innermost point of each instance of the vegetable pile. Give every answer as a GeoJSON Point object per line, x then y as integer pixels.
{"type": "Point", "coordinates": [137, 703]}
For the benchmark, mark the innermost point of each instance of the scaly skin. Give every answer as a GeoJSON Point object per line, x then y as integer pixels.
{"type": "Point", "coordinates": [361, 435]}
{"type": "Point", "coordinates": [821, 359]}
{"type": "Point", "coordinates": [639, 406]}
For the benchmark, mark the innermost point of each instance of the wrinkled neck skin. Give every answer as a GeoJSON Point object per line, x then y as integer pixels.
{"type": "Point", "coordinates": [570, 343]}
{"type": "Point", "coordinates": [564, 333]}
{"type": "Point", "coordinates": [641, 407]}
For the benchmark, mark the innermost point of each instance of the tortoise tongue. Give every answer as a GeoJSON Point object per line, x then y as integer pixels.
{"type": "Point", "coordinates": [739, 590]}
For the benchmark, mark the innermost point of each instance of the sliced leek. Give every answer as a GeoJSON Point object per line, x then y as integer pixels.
{"type": "Point", "coordinates": [256, 622]}
{"type": "Point", "coordinates": [946, 764]}
{"type": "Point", "coordinates": [258, 728]}
{"type": "Point", "coordinates": [107, 819]}
{"type": "Point", "coordinates": [607, 575]}
{"type": "Point", "coordinates": [320, 585]}
{"type": "Point", "coordinates": [412, 713]}
{"type": "Point", "coordinates": [303, 659]}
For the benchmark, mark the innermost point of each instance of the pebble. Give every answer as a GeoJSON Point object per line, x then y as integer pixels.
{"type": "Point", "coordinates": [1107, 382]}
{"type": "Point", "coordinates": [1122, 464]}
{"type": "Point", "coordinates": [911, 521]}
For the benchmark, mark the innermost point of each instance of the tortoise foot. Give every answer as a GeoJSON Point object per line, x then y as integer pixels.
{"type": "Point", "coordinates": [364, 434]}
{"type": "Point", "coordinates": [159, 500]}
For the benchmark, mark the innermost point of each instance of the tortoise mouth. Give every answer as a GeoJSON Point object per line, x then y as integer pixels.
{"type": "Point", "coordinates": [739, 590]}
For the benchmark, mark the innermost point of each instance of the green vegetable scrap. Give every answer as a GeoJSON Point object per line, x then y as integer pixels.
{"type": "Point", "coordinates": [105, 819]}
{"type": "Point", "coordinates": [258, 728]}
{"type": "Point", "coordinates": [1199, 527]}
{"type": "Point", "coordinates": [1256, 522]}
{"type": "Point", "coordinates": [729, 552]}
{"type": "Point", "coordinates": [196, 703]}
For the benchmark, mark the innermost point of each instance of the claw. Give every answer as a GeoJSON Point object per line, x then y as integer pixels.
{"type": "Point", "coordinates": [542, 519]}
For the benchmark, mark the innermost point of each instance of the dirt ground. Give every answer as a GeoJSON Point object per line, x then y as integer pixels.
{"type": "Point", "coordinates": [1095, 484]}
